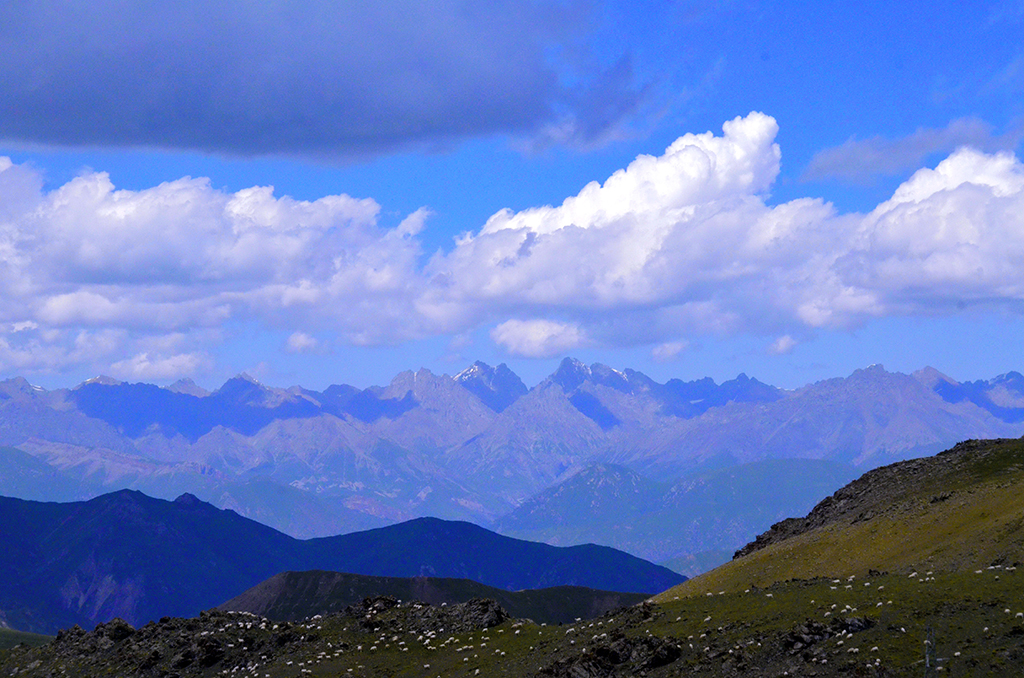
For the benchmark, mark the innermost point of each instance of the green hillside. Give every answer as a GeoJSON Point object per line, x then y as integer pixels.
{"type": "Point", "coordinates": [960, 510]}
{"type": "Point", "coordinates": [10, 638]}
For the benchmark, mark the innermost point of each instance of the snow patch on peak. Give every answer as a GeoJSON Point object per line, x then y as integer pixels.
{"type": "Point", "coordinates": [101, 379]}
{"type": "Point", "coordinates": [477, 369]}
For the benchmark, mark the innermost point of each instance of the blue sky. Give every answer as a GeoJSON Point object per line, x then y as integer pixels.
{"type": "Point", "coordinates": [788, 191]}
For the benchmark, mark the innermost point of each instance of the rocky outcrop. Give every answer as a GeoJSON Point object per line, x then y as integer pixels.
{"type": "Point", "coordinates": [218, 642]}
{"type": "Point", "coordinates": [474, 615]}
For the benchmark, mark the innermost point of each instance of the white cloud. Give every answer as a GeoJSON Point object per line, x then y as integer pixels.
{"type": "Point", "coordinates": [681, 237]}
{"type": "Point", "coordinates": [183, 257]}
{"type": "Point", "coordinates": [669, 350]}
{"type": "Point", "coordinates": [47, 350]}
{"type": "Point", "coordinates": [782, 345]}
{"type": "Point", "coordinates": [537, 338]}
{"type": "Point", "coordinates": [948, 236]}
{"type": "Point", "coordinates": [670, 247]}
{"type": "Point", "coordinates": [696, 169]}
{"type": "Point", "coordinates": [300, 342]}
{"type": "Point", "coordinates": [144, 366]}
{"type": "Point", "coordinates": [685, 244]}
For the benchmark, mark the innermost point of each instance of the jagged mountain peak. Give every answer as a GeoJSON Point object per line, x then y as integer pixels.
{"type": "Point", "coordinates": [20, 389]}
{"type": "Point", "coordinates": [242, 379]}
{"type": "Point", "coordinates": [476, 370]}
{"type": "Point", "coordinates": [872, 369]}
{"type": "Point", "coordinates": [243, 389]}
{"type": "Point", "coordinates": [611, 377]}
{"type": "Point", "coordinates": [571, 374]}
{"type": "Point", "coordinates": [188, 387]}
{"type": "Point", "coordinates": [409, 380]}
{"type": "Point", "coordinates": [1016, 379]}
{"type": "Point", "coordinates": [189, 500]}
{"type": "Point", "coordinates": [19, 382]}
{"type": "Point", "coordinates": [931, 377]}
{"type": "Point", "coordinates": [498, 387]}
{"type": "Point", "coordinates": [102, 380]}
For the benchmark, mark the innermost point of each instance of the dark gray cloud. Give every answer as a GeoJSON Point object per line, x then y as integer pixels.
{"type": "Point", "coordinates": [265, 77]}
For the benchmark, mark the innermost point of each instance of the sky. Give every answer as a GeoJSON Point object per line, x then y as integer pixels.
{"type": "Point", "coordinates": [318, 193]}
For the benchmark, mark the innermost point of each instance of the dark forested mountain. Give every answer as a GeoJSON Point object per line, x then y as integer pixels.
{"type": "Point", "coordinates": [478, 445]}
{"type": "Point", "coordinates": [294, 596]}
{"type": "Point", "coordinates": [128, 555]}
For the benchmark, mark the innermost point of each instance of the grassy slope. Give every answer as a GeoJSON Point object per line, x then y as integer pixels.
{"type": "Point", "coordinates": [9, 638]}
{"type": "Point", "coordinates": [962, 512]}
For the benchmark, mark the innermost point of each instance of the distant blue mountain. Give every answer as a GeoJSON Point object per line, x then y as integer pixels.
{"type": "Point", "coordinates": [241, 404]}
{"type": "Point", "coordinates": [128, 555]}
{"type": "Point", "coordinates": [246, 406]}
{"type": "Point", "coordinates": [983, 394]}
{"type": "Point", "coordinates": [677, 398]}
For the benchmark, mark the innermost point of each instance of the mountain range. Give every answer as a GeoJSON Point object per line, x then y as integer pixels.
{"type": "Point", "coordinates": [131, 556]}
{"type": "Point", "coordinates": [482, 447]}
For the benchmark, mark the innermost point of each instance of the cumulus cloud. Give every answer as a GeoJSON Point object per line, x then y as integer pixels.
{"type": "Point", "coordinates": [185, 258]}
{"type": "Point", "coordinates": [318, 78]}
{"type": "Point", "coordinates": [669, 248]}
{"type": "Point", "coordinates": [862, 160]}
{"type": "Point", "coordinates": [671, 234]}
{"type": "Point", "coordinates": [948, 236]}
{"type": "Point", "coordinates": [685, 243]}
{"type": "Point", "coordinates": [537, 338]}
